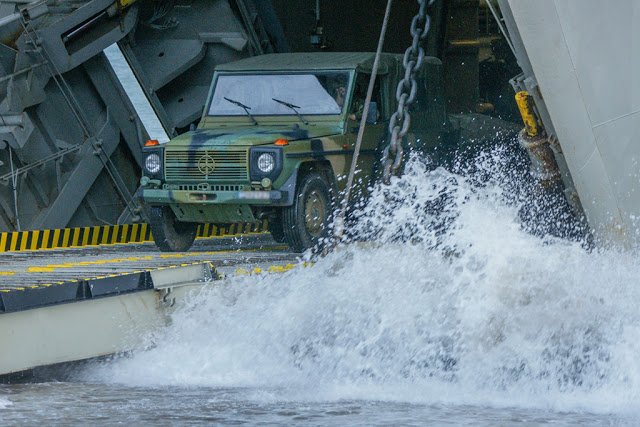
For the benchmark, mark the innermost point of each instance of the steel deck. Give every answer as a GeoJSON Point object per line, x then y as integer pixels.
{"type": "Point", "coordinates": [59, 306]}
{"type": "Point", "coordinates": [42, 268]}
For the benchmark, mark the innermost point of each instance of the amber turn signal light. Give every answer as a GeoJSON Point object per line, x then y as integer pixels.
{"type": "Point", "coordinates": [281, 142]}
{"type": "Point", "coordinates": [151, 142]}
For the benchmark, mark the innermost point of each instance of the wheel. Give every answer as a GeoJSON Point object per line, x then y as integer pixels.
{"type": "Point", "coordinates": [169, 234]}
{"type": "Point", "coordinates": [306, 223]}
{"type": "Point", "coordinates": [275, 228]}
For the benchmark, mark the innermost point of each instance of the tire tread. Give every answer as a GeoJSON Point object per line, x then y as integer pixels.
{"type": "Point", "coordinates": [291, 221]}
{"type": "Point", "coordinates": [165, 236]}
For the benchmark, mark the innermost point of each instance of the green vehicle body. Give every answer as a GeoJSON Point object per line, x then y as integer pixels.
{"type": "Point", "coordinates": [209, 174]}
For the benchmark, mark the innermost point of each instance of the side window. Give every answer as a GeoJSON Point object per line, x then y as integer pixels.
{"type": "Point", "coordinates": [360, 94]}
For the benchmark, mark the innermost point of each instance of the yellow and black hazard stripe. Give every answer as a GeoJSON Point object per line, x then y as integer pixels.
{"type": "Point", "coordinates": [206, 231]}
{"type": "Point", "coordinates": [110, 235]}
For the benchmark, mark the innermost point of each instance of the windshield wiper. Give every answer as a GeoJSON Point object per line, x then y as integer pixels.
{"type": "Point", "coordinates": [246, 109]}
{"type": "Point", "coordinates": [293, 107]}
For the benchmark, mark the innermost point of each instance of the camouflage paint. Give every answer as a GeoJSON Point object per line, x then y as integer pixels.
{"type": "Point", "coordinates": [327, 140]}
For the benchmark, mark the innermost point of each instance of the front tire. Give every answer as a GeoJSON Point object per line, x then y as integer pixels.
{"type": "Point", "coordinates": [169, 234]}
{"type": "Point", "coordinates": [306, 223]}
{"type": "Point", "coordinates": [275, 228]}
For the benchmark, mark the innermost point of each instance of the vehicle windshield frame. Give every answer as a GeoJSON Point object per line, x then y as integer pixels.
{"type": "Point", "coordinates": [348, 73]}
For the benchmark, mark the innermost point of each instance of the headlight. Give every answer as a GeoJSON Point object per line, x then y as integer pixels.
{"type": "Point", "coordinates": [266, 162]}
{"type": "Point", "coordinates": [152, 163]}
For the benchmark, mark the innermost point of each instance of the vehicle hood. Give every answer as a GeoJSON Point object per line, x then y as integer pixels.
{"type": "Point", "coordinates": [249, 136]}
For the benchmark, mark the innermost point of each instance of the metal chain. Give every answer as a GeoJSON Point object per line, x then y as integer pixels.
{"type": "Point", "coordinates": [406, 91]}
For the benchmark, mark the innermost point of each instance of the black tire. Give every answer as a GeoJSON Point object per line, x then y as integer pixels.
{"type": "Point", "coordinates": [275, 228]}
{"type": "Point", "coordinates": [306, 223]}
{"type": "Point", "coordinates": [169, 234]}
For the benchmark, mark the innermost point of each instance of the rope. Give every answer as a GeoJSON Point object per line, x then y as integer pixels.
{"type": "Point", "coordinates": [339, 221]}
{"type": "Point", "coordinates": [55, 74]}
{"type": "Point", "coordinates": [14, 179]}
{"type": "Point", "coordinates": [85, 126]}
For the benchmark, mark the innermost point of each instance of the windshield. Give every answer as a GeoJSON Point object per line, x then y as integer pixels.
{"type": "Point", "coordinates": [308, 93]}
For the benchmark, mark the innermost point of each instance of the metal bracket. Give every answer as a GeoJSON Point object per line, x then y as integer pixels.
{"type": "Point", "coordinates": [184, 275]}
{"type": "Point", "coordinates": [167, 301]}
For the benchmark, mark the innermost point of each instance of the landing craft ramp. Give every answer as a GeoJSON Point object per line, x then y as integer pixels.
{"type": "Point", "coordinates": [72, 304]}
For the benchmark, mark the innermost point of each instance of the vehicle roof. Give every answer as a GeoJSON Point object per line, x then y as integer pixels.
{"type": "Point", "coordinates": [306, 61]}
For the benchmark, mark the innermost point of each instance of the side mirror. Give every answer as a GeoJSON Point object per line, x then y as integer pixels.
{"type": "Point", "coordinates": [372, 115]}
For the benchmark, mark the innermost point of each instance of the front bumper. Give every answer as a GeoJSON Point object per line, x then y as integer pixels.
{"type": "Point", "coordinates": [158, 196]}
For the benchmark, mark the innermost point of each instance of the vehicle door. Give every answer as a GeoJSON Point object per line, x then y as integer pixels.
{"type": "Point", "coordinates": [375, 130]}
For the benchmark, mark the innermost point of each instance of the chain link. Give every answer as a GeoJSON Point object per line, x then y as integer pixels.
{"type": "Point", "coordinates": [406, 91]}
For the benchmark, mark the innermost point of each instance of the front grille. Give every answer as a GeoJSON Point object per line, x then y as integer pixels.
{"type": "Point", "coordinates": [196, 187]}
{"type": "Point", "coordinates": [229, 165]}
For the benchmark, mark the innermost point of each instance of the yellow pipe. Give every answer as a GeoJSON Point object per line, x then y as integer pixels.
{"type": "Point", "coordinates": [528, 117]}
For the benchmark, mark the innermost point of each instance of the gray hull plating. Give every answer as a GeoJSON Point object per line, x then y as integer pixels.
{"type": "Point", "coordinates": [578, 59]}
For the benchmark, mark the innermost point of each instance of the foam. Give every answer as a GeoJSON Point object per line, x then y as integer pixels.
{"type": "Point", "coordinates": [451, 301]}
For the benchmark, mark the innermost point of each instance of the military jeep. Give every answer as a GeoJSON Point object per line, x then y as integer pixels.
{"type": "Point", "coordinates": [276, 141]}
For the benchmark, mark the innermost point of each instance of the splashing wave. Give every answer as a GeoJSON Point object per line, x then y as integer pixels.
{"type": "Point", "coordinates": [449, 300]}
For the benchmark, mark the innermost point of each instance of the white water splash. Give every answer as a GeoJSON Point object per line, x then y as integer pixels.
{"type": "Point", "coordinates": [451, 303]}
{"type": "Point", "coordinates": [5, 403]}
